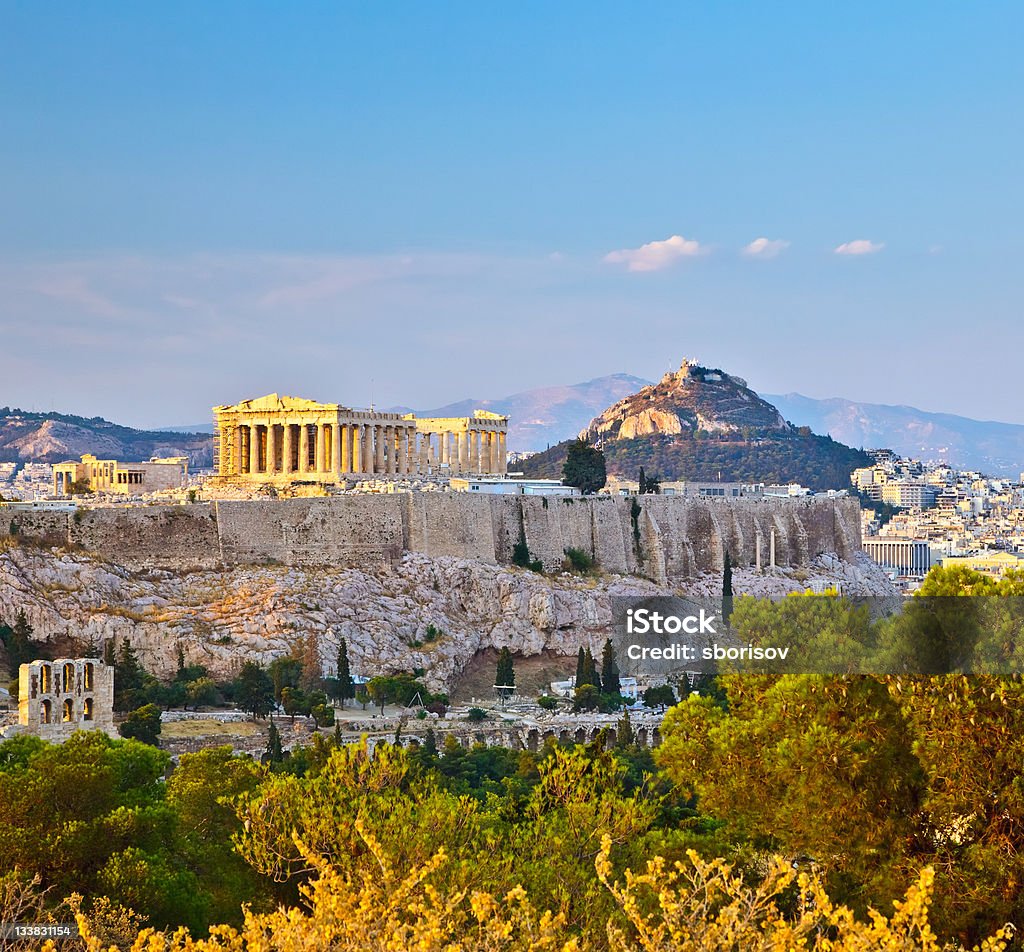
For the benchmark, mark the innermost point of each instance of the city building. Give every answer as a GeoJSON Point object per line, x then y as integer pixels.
{"type": "Point", "coordinates": [110, 475]}
{"type": "Point", "coordinates": [281, 439]}
{"type": "Point", "coordinates": [909, 494]}
{"type": "Point", "coordinates": [988, 563]}
{"type": "Point", "coordinates": [511, 486]}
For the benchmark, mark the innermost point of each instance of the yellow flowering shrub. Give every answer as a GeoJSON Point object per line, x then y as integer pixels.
{"type": "Point", "coordinates": [694, 906]}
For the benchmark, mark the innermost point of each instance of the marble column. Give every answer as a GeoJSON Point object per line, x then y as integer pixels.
{"type": "Point", "coordinates": [402, 444]}
{"type": "Point", "coordinates": [254, 450]}
{"type": "Point", "coordinates": [320, 463]}
{"type": "Point", "coordinates": [345, 443]}
{"type": "Point", "coordinates": [502, 454]}
{"type": "Point", "coordinates": [335, 448]}
{"type": "Point", "coordinates": [355, 439]}
{"type": "Point", "coordinates": [286, 448]}
{"type": "Point", "coordinates": [303, 448]}
{"type": "Point", "coordinates": [238, 462]}
{"type": "Point", "coordinates": [271, 460]}
{"type": "Point", "coordinates": [378, 449]}
{"type": "Point", "coordinates": [463, 449]}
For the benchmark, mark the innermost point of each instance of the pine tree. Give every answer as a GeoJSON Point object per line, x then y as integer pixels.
{"type": "Point", "coordinates": [505, 677]}
{"type": "Point", "coordinates": [274, 752]}
{"type": "Point", "coordinates": [128, 678]}
{"type": "Point", "coordinates": [181, 660]}
{"type": "Point", "coordinates": [610, 670]}
{"type": "Point", "coordinates": [346, 688]}
{"type": "Point", "coordinates": [430, 743]}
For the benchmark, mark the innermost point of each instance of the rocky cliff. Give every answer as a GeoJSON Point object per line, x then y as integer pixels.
{"type": "Point", "coordinates": [223, 617]}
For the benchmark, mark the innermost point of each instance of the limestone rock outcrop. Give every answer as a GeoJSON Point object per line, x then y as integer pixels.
{"type": "Point", "coordinates": [690, 399]}
{"type": "Point", "coordinates": [222, 617]}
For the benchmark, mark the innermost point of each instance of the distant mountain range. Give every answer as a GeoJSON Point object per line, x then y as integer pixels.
{"type": "Point", "coordinates": [701, 423]}
{"type": "Point", "coordinates": [993, 448]}
{"type": "Point", "coordinates": [539, 418]}
{"type": "Point", "coordinates": [56, 437]}
{"type": "Point", "coordinates": [545, 416]}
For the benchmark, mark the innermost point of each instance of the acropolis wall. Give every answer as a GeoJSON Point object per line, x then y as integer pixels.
{"type": "Point", "coordinates": [657, 536]}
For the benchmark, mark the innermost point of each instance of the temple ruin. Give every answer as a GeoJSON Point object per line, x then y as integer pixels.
{"type": "Point", "coordinates": [280, 439]}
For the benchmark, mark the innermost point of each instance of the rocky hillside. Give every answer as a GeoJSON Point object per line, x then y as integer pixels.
{"type": "Point", "coordinates": [224, 617]}
{"type": "Point", "coordinates": [691, 400]}
{"type": "Point", "coordinates": [55, 437]}
{"type": "Point", "coordinates": [701, 423]}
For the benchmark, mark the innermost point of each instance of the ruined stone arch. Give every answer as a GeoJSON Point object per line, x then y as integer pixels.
{"type": "Point", "coordinates": [67, 713]}
{"type": "Point", "coordinates": [68, 677]}
{"type": "Point", "coordinates": [89, 677]}
{"type": "Point", "coordinates": [45, 712]}
{"type": "Point", "coordinates": [87, 708]}
{"type": "Point", "coordinates": [45, 680]}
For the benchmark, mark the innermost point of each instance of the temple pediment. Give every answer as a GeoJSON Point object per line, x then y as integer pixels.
{"type": "Point", "coordinates": [274, 401]}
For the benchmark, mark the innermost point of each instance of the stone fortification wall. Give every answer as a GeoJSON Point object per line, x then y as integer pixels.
{"type": "Point", "coordinates": [657, 536]}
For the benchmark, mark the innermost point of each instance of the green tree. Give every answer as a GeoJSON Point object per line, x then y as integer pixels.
{"type": "Point", "coordinates": [643, 483]}
{"type": "Point", "coordinates": [18, 641]}
{"type": "Point", "coordinates": [285, 672]}
{"type": "Point", "coordinates": [581, 667]}
{"type": "Point", "coordinates": [610, 670]}
{"type": "Point", "coordinates": [584, 467]}
{"type": "Point", "coordinates": [624, 736]}
{"type": "Point", "coordinates": [201, 693]}
{"type": "Point", "coordinates": [346, 689]}
{"type": "Point", "coordinates": [142, 724]}
{"type": "Point", "coordinates": [295, 701]}
{"type": "Point", "coordinates": [381, 691]}
{"type": "Point", "coordinates": [727, 588]}
{"type": "Point", "coordinates": [254, 690]}
{"type": "Point", "coordinates": [129, 679]}
{"type": "Point", "coordinates": [505, 675]}
{"type": "Point", "coordinates": [274, 753]}
{"type": "Point", "coordinates": [660, 696]}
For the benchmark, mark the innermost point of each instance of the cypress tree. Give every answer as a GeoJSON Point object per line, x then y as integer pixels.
{"type": "Point", "coordinates": [624, 736]}
{"type": "Point", "coordinates": [274, 752]}
{"type": "Point", "coordinates": [505, 676]}
{"type": "Point", "coordinates": [346, 688]}
{"type": "Point", "coordinates": [581, 668]}
{"type": "Point", "coordinates": [727, 589]}
{"type": "Point", "coordinates": [610, 670]}
{"type": "Point", "coordinates": [590, 675]}
{"type": "Point", "coordinates": [643, 482]}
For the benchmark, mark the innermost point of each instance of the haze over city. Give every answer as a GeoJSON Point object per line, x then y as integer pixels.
{"type": "Point", "coordinates": [200, 205]}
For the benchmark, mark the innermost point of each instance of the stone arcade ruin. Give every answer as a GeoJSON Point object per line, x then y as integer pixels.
{"type": "Point", "coordinates": [57, 698]}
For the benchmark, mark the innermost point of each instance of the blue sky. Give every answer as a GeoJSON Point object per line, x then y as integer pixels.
{"type": "Point", "coordinates": [423, 202]}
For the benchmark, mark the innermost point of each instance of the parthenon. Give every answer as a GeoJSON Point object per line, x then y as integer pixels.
{"type": "Point", "coordinates": [289, 439]}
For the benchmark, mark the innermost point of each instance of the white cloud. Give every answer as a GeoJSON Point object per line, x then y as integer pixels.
{"type": "Point", "coordinates": [655, 255]}
{"type": "Point", "coordinates": [765, 248]}
{"type": "Point", "coordinates": [860, 246]}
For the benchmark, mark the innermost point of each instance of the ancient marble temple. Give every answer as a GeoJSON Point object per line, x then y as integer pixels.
{"type": "Point", "coordinates": [289, 439]}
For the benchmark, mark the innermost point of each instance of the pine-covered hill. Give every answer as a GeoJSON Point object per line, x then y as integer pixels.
{"type": "Point", "coordinates": [793, 456]}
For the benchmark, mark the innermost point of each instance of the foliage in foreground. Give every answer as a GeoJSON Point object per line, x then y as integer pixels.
{"type": "Point", "coordinates": [692, 906]}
